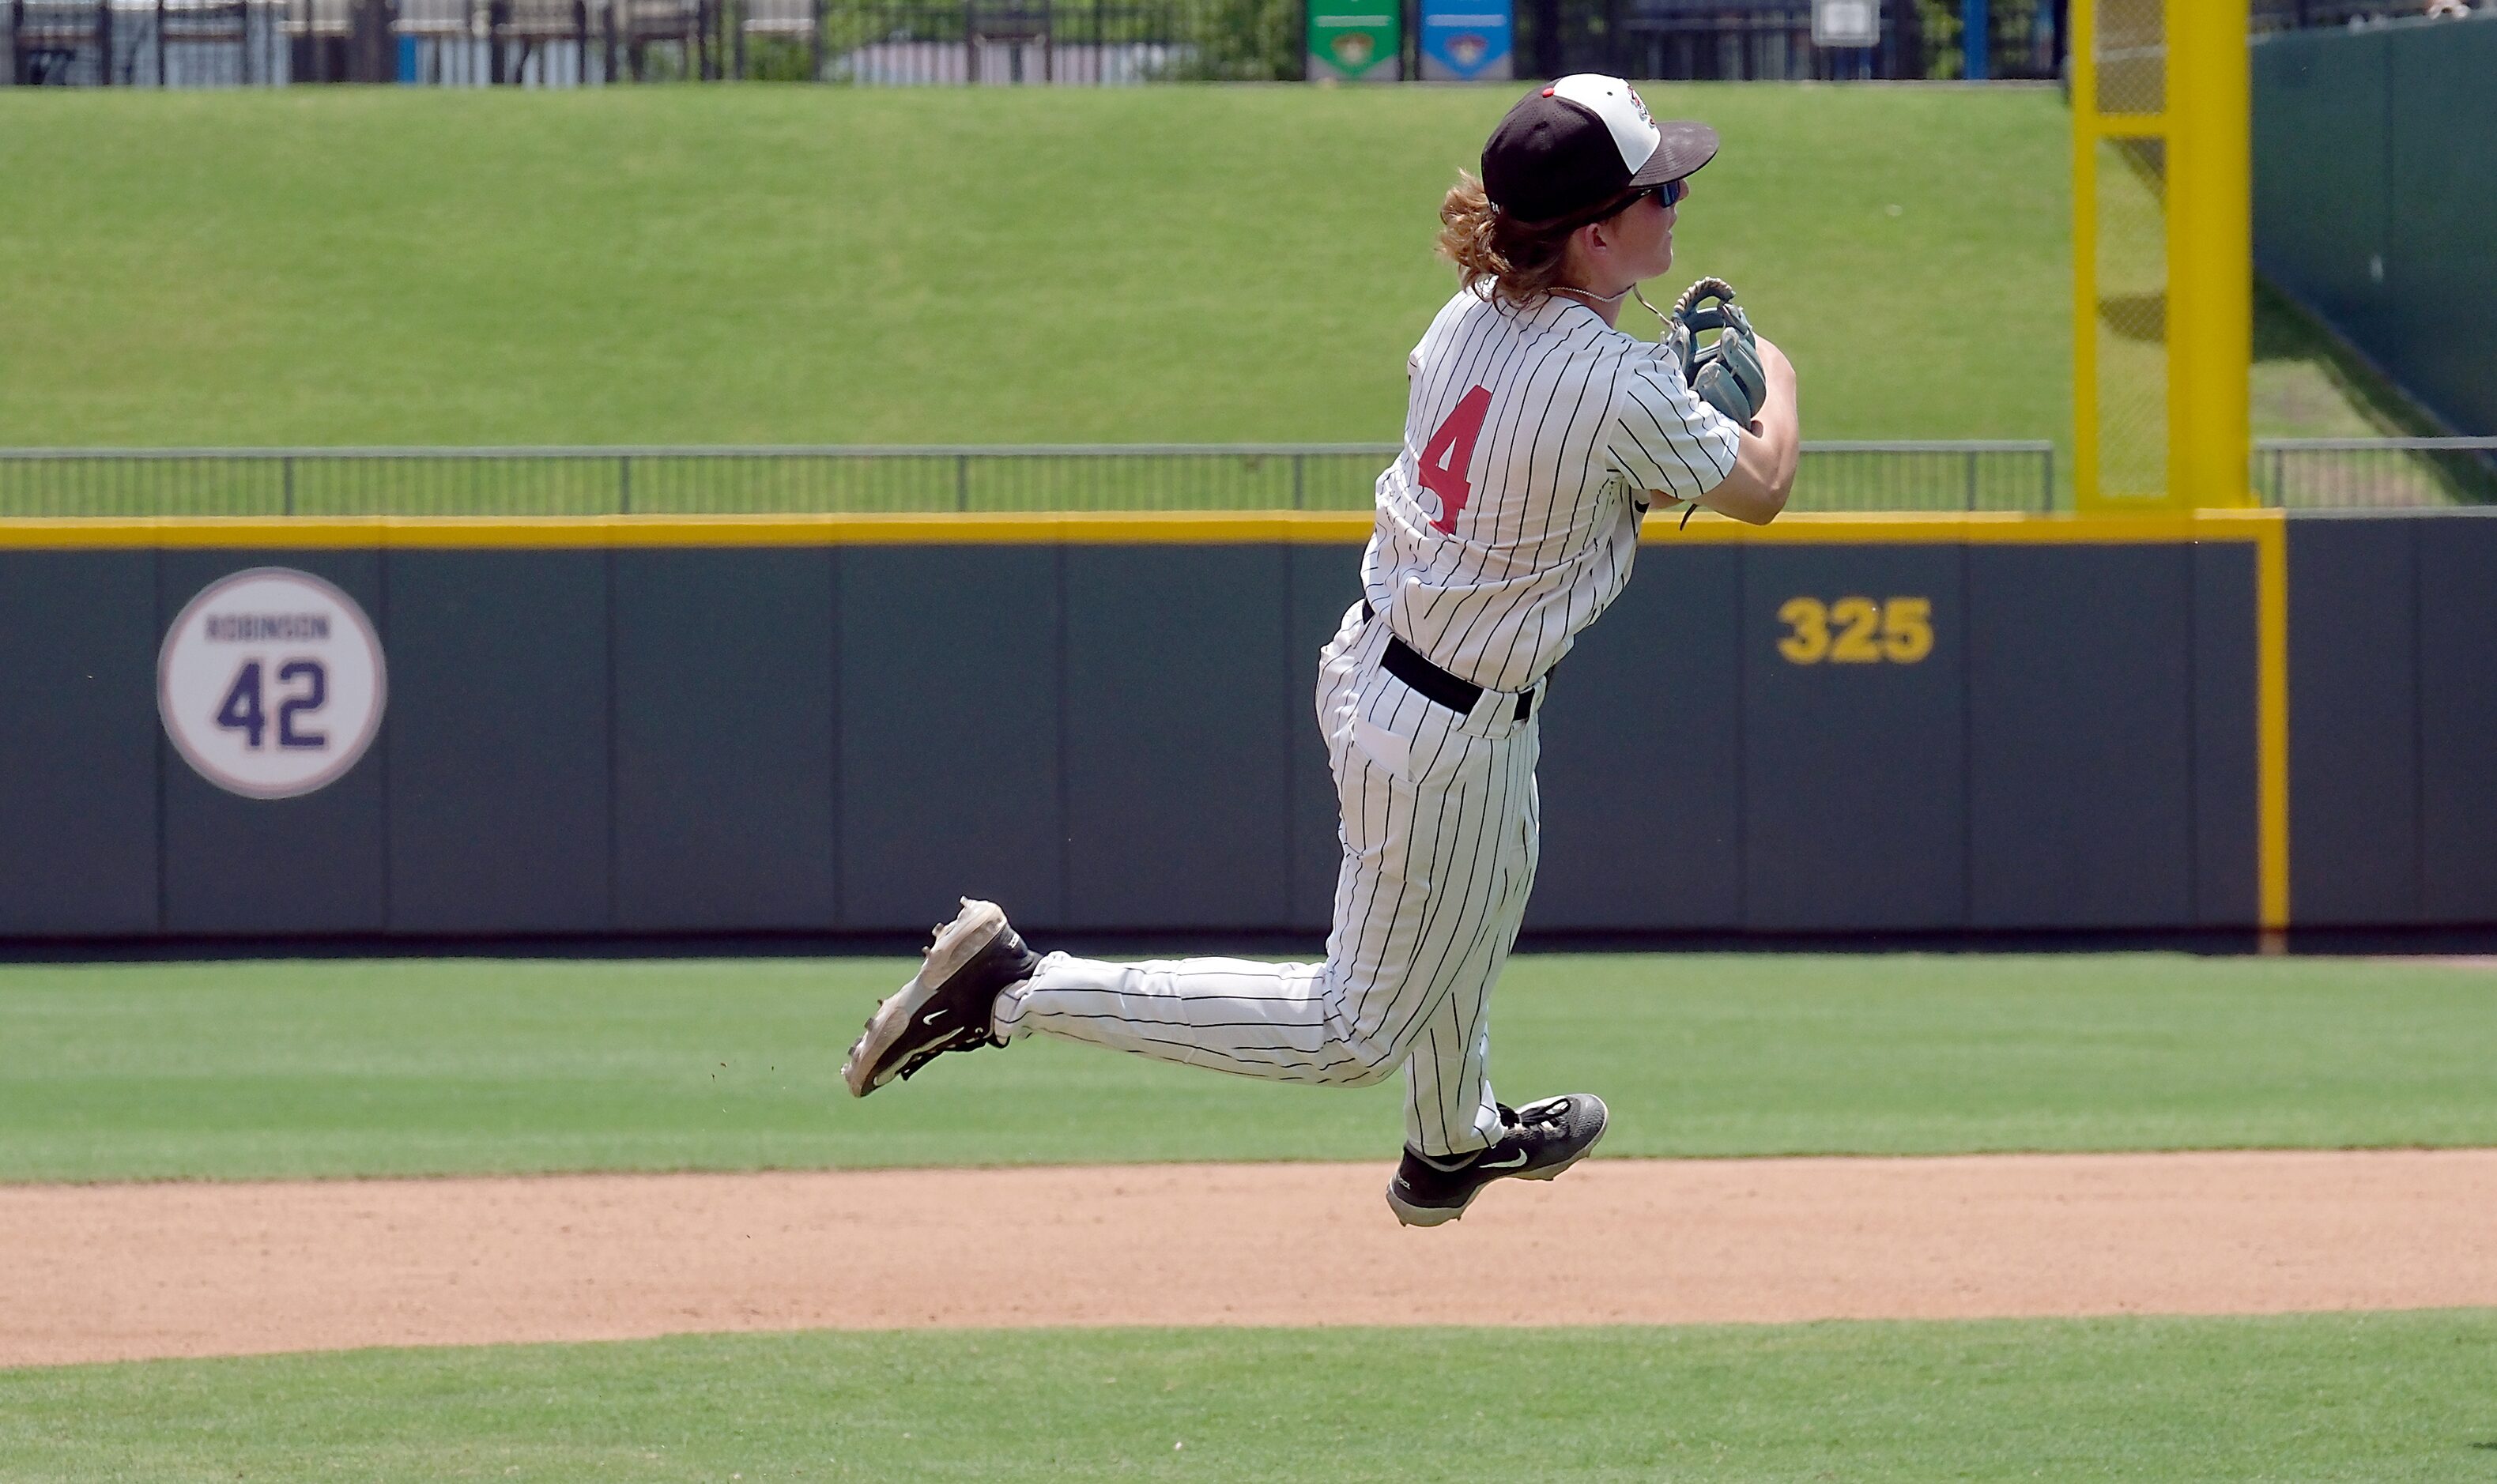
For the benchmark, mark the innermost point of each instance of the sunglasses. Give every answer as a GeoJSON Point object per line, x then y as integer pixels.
{"type": "Point", "coordinates": [1666, 195]}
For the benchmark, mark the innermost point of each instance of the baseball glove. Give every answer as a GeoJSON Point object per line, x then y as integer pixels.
{"type": "Point", "coordinates": [1726, 373]}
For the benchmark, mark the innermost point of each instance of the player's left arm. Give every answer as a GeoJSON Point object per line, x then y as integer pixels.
{"type": "Point", "coordinates": [1680, 449]}
{"type": "Point", "coordinates": [1755, 489]}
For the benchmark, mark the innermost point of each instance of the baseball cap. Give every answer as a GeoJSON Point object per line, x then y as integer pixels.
{"type": "Point", "coordinates": [1583, 141]}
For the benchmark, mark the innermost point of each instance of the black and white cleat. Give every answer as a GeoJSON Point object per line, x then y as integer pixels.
{"type": "Point", "coordinates": [947, 1005]}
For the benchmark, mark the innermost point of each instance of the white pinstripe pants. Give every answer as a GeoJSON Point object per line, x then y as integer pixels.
{"type": "Point", "coordinates": [1440, 840]}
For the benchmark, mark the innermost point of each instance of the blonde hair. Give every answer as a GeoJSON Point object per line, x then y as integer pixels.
{"type": "Point", "coordinates": [1520, 260]}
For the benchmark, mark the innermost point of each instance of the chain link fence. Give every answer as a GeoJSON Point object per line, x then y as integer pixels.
{"type": "Point", "coordinates": [2010, 475]}
{"type": "Point", "coordinates": [723, 480]}
{"type": "Point", "coordinates": [2375, 473]}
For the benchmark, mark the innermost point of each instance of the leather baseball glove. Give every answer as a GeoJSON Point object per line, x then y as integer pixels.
{"type": "Point", "coordinates": [1726, 373]}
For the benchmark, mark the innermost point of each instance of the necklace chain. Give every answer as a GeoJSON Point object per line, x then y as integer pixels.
{"type": "Point", "coordinates": [1591, 300]}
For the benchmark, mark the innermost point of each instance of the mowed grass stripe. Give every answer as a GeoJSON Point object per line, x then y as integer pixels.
{"type": "Point", "coordinates": [234, 1071]}
{"type": "Point", "coordinates": [2357, 1397]}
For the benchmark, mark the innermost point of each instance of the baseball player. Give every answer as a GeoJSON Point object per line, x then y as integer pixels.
{"type": "Point", "coordinates": [1536, 435]}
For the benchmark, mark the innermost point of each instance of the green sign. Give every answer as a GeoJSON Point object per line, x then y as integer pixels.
{"type": "Point", "coordinates": [1358, 43]}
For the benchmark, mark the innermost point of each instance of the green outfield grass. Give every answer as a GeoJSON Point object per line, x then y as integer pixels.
{"type": "Point", "coordinates": [2374, 1398]}
{"type": "Point", "coordinates": [243, 1069]}
{"type": "Point", "coordinates": [429, 265]}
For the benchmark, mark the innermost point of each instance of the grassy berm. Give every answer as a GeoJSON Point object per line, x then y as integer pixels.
{"type": "Point", "coordinates": [791, 265]}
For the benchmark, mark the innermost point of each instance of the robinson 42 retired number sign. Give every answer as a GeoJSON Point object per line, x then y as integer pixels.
{"type": "Point", "coordinates": [271, 684]}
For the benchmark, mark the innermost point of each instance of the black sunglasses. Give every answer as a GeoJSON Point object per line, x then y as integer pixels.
{"type": "Point", "coordinates": [1666, 195]}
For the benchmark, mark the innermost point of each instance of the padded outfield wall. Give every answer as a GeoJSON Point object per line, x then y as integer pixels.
{"type": "Point", "coordinates": [838, 724]}
{"type": "Point", "coordinates": [2375, 196]}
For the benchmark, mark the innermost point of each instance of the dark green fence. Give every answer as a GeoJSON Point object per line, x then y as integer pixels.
{"type": "Point", "coordinates": [2375, 196]}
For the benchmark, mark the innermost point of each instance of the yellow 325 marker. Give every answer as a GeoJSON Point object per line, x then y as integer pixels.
{"type": "Point", "coordinates": [1856, 631]}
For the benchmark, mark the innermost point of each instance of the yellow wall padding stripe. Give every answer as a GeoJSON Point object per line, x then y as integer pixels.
{"type": "Point", "coordinates": [2271, 715]}
{"type": "Point", "coordinates": [1082, 529]}
{"type": "Point", "coordinates": [1961, 528]}
{"type": "Point", "coordinates": [1185, 527]}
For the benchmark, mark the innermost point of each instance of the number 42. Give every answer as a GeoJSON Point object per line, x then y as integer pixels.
{"type": "Point", "coordinates": [242, 710]}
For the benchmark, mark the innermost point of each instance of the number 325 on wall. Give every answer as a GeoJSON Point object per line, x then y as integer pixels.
{"type": "Point", "coordinates": [1856, 631]}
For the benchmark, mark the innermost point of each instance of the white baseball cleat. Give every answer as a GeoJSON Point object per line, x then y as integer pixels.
{"type": "Point", "coordinates": [947, 1005]}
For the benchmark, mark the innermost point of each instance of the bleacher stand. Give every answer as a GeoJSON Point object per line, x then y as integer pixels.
{"type": "Point", "coordinates": [59, 42]}
{"type": "Point", "coordinates": [526, 30]}
{"type": "Point", "coordinates": [1011, 42]}
{"type": "Point", "coordinates": [793, 21]}
{"type": "Point", "coordinates": [638, 23]}
{"type": "Point", "coordinates": [340, 41]}
{"type": "Point", "coordinates": [445, 37]}
{"type": "Point", "coordinates": [214, 41]}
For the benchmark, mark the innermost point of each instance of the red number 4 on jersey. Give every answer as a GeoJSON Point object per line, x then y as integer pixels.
{"type": "Point", "coordinates": [1450, 453]}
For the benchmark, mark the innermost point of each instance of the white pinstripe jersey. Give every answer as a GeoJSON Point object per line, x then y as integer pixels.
{"type": "Point", "coordinates": [1510, 519]}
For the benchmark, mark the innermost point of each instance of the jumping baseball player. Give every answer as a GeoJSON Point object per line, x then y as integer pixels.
{"type": "Point", "coordinates": [1536, 435]}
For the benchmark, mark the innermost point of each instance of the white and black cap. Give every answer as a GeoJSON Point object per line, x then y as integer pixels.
{"type": "Point", "coordinates": [1576, 145]}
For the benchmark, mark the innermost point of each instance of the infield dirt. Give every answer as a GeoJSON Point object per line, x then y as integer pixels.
{"type": "Point", "coordinates": [100, 1273]}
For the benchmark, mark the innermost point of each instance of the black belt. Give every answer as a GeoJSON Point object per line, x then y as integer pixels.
{"type": "Point", "coordinates": [1454, 692]}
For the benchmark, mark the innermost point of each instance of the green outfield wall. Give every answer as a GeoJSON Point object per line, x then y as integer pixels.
{"type": "Point", "coordinates": [2375, 196]}
{"type": "Point", "coordinates": [838, 724]}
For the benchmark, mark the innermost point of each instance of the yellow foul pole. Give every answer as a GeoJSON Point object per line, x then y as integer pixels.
{"type": "Point", "coordinates": [2210, 252]}
{"type": "Point", "coordinates": [2085, 239]}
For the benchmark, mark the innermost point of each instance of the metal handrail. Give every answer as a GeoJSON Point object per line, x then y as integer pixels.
{"type": "Point", "coordinates": [1999, 474]}
{"type": "Point", "coordinates": [1928, 446]}
{"type": "Point", "coordinates": [2375, 473]}
{"type": "Point", "coordinates": [2375, 445]}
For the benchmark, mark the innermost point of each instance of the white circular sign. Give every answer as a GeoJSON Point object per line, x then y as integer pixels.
{"type": "Point", "coordinates": [271, 684]}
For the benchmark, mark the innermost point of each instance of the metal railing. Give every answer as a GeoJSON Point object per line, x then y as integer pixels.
{"type": "Point", "coordinates": [705, 481]}
{"type": "Point", "coordinates": [2375, 473]}
{"type": "Point", "coordinates": [2018, 475]}
{"type": "Point", "coordinates": [903, 42]}
{"type": "Point", "coordinates": [1937, 474]}
{"type": "Point", "coordinates": [143, 43]}
{"type": "Point", "coordinates": [1769, 39]}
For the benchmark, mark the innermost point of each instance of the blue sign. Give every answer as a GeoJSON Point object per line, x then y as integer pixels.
{"type": "Point", "coordinates": [1465, 40]}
